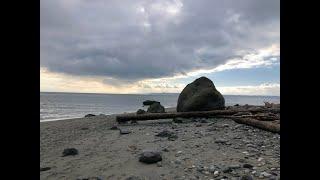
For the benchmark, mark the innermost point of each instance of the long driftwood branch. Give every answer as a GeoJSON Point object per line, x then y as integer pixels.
{"type": "Point", "coordinates": [213, 113]}
{"type": "Point", "coordinates": [272, 127]}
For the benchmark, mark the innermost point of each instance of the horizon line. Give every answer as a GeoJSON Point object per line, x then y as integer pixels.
{"type": "Point", "coordinates": [143, 93]}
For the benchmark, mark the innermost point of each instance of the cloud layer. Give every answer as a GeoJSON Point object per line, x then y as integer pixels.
{"type": "Point", "coordinates": [133, 40]}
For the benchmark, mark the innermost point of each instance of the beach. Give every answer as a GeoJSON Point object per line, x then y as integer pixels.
{"type": "Point", "coordinates": [215, 149]}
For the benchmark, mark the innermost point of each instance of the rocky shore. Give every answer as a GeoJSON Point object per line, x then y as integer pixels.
{"type": "Point", "coordinates": [202, 148]}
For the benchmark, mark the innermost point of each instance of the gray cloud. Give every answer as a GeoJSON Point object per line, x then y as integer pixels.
{"type": "Point", "coordinates": [121, 40]}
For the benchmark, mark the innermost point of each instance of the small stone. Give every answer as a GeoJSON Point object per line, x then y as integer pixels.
{"type": "Point", "coordinates": [159, 164]}
{"type": "Point", "coordinates": [212, 169]}
{"type": "Point", "coordinates": [227, 170]}
{"type": "Point", "coordinates": [123, 131]}
{"type": "Point", "coordinates": [265, 174]}
{"type": "Point", "coordinates": [69, 152]}
{"type": "Point", "coordinates": [249, 166]}
{"type": "Point", "coordinates": [177, 161]}
{"type": "Point", "coordinates": [246, 177]}
{"type": "Point", "coordinates": [260, 159]}
{"type": "Point", "coordinates": [236, 166]}
{"type": "Point", "coordinates": [221, 140]}
{"type": "Point", "coordinates": [148, 156]}
{"type": "Point", "coordinates": [45, 169]}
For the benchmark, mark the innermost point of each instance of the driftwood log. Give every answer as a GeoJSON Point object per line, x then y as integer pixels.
{"type": "Point", "coordinates": [248, 120]}
{"type": "Point", "coordinates": [213, 113]}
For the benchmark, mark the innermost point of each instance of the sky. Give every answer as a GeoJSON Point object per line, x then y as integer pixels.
{"type": "Point", "coordinates": [159, 46]}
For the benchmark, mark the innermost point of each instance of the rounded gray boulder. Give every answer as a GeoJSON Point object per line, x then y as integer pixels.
{"type": "Point", "coordinates": [200, 95]}
{"type": "Point", "coordinates": [156, 108]}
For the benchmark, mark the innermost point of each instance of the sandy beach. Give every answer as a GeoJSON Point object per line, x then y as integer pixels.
{"type": "Point", "coordinates": [216, 149]}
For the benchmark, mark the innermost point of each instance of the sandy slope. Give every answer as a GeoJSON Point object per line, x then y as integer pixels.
{"type": "Point", "coordinates": [106, 154]}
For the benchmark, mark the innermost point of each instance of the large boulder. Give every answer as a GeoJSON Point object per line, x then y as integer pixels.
{"type": "Point", "coordinates": [156, 108]}
{"type": "Point", "coordinates": [200, 95]}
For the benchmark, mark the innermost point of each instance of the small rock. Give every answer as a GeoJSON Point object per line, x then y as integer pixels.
{"type": "Point", "coordinates": [216, 173]}
{"type": "Point", "coordinates": [177, 161]}
{"type": "Point", "coordinates": [246, 177]}
{"type": "Point", "coordinates": [148, 156]}
{"type": "Point", "coordinates": [69, 152]}
{"type": "Point", "coordinates": [265, 174]}
{"type": "Point", "coordinates": [212, 169]}
{"type": "Point", "coordinates": [159, 164]}
{"type": "Point", "coordinates": [45, 169]}
{"type": "Point", "coordinates": [123, 131]}
{"type": "Point", "coordinates": [249, 166]}
{"type": "Point", "coordinates": [221, 140]}
{"type": "Point", "coordinates": [227, 170]}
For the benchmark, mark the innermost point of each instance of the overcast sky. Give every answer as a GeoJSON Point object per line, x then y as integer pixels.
{"type": "Point", "coordinates": [145, 46]}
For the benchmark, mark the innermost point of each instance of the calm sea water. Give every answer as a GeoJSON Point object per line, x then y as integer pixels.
{"type": "Point", "coordinates": [54, 106]}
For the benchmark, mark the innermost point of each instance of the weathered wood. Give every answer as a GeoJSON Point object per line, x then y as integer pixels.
{"type": "Point", "coordinates": [152, 116]}
{"type": "Point", "coordinates": [268, 126]}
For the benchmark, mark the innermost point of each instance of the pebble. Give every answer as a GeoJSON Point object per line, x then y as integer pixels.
{"type": "Point", "coordinates": [265, 174]}
{"type": "Point", "coordinates": [220, 140]}
{"type": "Point", "coordinates": [149, 156]}
{"type": "Point", "coordinates": [70, 152]}
{"type": "Point", "coordinates": [249, 166]}
{"type": "Point", "coordinates": [246, 177]}
{"type": "Point", "coordinates": [114, 128]}
{"type": "Point", "coordinates": [45, 168]}
{"type": "Point", "coordinates": [124, 131]}
{"type": "Point", "coordinates": [216, 173]}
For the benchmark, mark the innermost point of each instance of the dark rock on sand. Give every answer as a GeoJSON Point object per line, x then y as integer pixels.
{"type": "Point", "coordinates": [149, 102]}
{"type": "Point", "coordinates": [124, 131]}
{"type": "Point", "coordinates": [249, 166]}
{"type": "Point", "coordinates": [141, 111]}
{"type": "Point", "coordinates": [200, 95]}
{"type": "Point", "coordinates": [89, 115]}
{"type": "Point", "coordinates": [45, 169]}
{"type": "Point", "coordinates": [150, 157]}
{"type": "Point", "coordinates": [70, 152]}
{"type": "Point", "coordinates": [156, 108]}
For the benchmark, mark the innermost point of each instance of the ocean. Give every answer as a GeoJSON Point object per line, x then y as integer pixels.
{"type": "Point", "coordinates": [58, 106]}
